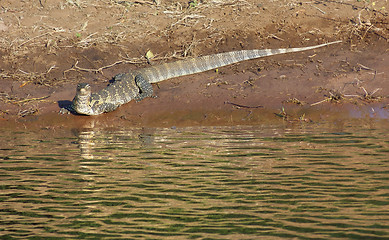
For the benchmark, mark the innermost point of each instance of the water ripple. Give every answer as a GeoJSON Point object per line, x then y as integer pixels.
{"type": "Point", "coordinates": [207, 182]}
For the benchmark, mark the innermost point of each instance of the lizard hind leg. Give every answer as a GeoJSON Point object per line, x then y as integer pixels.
{"type": "Point", "coordinates": [145, 88]}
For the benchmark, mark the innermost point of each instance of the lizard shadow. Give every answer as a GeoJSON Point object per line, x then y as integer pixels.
{"type": "Point", "coordinates": [65, 106]}
{"type": "Point", "coordinates": [64, 103]}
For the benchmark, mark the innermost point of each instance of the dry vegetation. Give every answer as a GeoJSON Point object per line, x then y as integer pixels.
{"type": "Point", "coordinates": [52, 27]}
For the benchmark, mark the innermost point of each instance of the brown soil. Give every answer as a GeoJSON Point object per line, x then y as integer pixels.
{"type": "Point", "coordinates": [48, 46]}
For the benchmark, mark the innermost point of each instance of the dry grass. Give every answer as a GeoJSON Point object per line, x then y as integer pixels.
{"type": "Point", "coordinates": [51, 37]}
{"type": "Point", "coordinates": [27, 78]}
{"type": "Point", "coordinates": [292, 119]}
{"type": "Point", "coordinates": [5, 97]}
{"type": "Point", "coordinates": [335, 96]}
{"type": "Point", "coordinates": [366, 22]}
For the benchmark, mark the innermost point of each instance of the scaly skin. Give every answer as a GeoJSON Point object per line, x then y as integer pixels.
{"type": "Point", "coordinates": [137, 84]}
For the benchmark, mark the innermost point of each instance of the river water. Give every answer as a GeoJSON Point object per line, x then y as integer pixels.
{"type": "Point", "coordinates": [308, 181]}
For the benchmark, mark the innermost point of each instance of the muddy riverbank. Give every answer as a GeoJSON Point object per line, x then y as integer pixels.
{"type": "Point", "coordinates": [48, 47]}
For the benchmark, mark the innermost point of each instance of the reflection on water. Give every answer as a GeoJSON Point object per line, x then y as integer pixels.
{"type": "Point", "coordinates": [314, 182]}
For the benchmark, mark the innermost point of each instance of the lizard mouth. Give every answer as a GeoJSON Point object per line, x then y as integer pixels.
{"type": "Point", "coordinates": [84, 92]}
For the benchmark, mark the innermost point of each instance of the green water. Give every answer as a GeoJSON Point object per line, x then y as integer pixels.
{"type": "Point", "coordinates": [251, 182]}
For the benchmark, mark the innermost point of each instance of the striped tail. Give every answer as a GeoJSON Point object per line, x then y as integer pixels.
{"type": "Point", "coordinates": [201, 64]}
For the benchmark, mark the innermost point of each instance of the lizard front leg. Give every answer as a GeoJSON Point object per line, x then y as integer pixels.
{"type": "Point", "coordinates": [145, 88]}
{"type": "Point", "coordinates": [118, 77]}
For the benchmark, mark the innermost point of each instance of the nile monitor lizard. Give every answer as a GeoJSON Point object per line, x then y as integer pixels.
{"type": "Point", "coordinates": [137, 84]}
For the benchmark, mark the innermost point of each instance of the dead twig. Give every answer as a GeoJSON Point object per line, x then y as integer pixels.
{"type": "Point", "coordinates": [20, 101]}
{"type": "Point", "coordinates": [23, 113]}
{"type": "Point", "coordinates": [320, 102]}
{"type": "Point", "coordinates": [129, 3]}
{"type": "Point", "coordinates": [295, 101]}
{"type": "Point", "coordinates": [364, 67]}
{"type": "Point", "coordinates": [335, 96]}
{"type": "Point", "coordinates": [275, 37]}
{"type": "Point", "coordinates": [126, 59]}
{"type": "Point", "coordinates": [99, 70]}
{"type": "Point", "coordinates": [188, 50]}
{"type": "Point", "coordinates": [319, 10]}
{"type": "Point", "coordinates": [30, 100]}
{"type": "Point", "coordinates": [41, 35]}
{"type": "Point", "coordinates": [185, 18]}
{"type": "Point", "coordinates": [242, 106]}
{"type": "Point", "coordinates": [369, 96]}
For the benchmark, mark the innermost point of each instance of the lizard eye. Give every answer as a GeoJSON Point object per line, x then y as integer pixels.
{"type": "Point", "coordinates": [83, 86]}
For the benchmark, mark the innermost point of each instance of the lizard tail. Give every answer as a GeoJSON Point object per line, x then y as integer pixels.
{"type": "Point", "coordinates": [205, 63]}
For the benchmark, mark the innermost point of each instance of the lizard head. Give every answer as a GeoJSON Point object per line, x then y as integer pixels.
{"type": "Point", "coordinates": [81, 102]}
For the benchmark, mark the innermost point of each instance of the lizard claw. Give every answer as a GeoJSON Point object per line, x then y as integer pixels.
{"type": "Point", "coordinates": [63, 111]}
